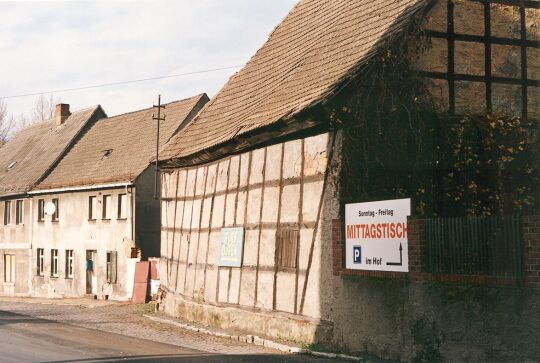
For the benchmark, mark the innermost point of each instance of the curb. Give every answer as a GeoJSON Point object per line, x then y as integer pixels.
{"type": "Point", "coordinates": [255, 340]}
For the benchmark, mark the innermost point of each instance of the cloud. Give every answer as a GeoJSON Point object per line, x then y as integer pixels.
{"type": "Point", "coordinates": [57, 45]}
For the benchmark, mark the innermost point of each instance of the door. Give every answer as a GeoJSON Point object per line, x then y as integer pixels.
{"type": "Point", "coordinates": [91, 278]}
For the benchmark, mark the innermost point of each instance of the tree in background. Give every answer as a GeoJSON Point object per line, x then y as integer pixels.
{"type": "Point", "coordinates": [6, 123]}
{"type": "Point", "coordinates": [44, 107]}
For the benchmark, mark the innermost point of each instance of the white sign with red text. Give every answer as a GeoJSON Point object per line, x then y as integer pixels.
{"type": "Point", "coordinates": [376, 235]}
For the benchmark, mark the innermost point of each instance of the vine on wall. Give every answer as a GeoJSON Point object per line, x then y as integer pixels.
{"type": "Point", "coordinates": [397, 145]}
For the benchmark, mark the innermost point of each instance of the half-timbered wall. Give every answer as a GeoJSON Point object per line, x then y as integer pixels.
{"type": "Point", "coordinates": [484, 55]}
{"type": "Point", "coordinates": [264, 191]}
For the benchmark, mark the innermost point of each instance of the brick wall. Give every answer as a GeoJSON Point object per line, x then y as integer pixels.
{"type": "Point", "coordinates": [531, 239]}
{"type": "Point", "coordinates": [416, 232]}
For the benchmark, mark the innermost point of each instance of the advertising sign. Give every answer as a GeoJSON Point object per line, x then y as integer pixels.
{"type": "Point", "coordinates": [231, 246]}
{"type": "Point", "coordinates": [376, 235]}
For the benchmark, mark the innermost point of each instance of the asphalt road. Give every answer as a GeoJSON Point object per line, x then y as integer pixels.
{"type": "Point", "coordinates": [27, 339]}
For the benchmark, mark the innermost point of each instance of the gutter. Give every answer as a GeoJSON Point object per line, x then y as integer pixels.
{"type": "Point", "coordinates": [79, 188]}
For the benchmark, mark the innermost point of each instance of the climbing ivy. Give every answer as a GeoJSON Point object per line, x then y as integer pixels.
{"type": "Point", "coordinates": [396, 144]}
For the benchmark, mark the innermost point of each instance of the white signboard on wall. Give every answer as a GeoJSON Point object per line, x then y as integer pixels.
{"type": "Point", "coordinates": [376, 235]}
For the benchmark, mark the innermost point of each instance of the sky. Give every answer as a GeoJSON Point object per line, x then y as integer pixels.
{"type": "Point", "coordinates": [55, 45]}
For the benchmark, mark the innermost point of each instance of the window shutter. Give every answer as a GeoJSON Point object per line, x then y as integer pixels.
{"type": "Point", "coordinates": [286, 247]}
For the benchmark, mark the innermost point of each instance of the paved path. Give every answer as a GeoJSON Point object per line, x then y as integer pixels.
{"type": "Point", "coordinates": [45, 332]}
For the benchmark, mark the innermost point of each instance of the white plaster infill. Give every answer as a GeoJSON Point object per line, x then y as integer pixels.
{"type": "Point", "coordinates": [82, 187]}
{"type": "Point", "coordinates": [15, 246]}
{"type": "Point", "coordinates": [254, 339]}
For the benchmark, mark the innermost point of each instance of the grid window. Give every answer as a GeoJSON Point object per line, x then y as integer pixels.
{"type": "Point", "coordinates": [54, 263]}
{"type": "Point", "coordinates": [41, 210]}
{"type": "Point", "coordinates": [111, 267]}
{"type": "Point", "coordinates": [9, 268]}
{"type": "Point", "coordinates": [56, 213]}
{"type": "Point", "coordinates": [122, 206]}
{"type": "Point", "coordinates": [19, 212]}
{"type": "Point", "coordinates": [106, 207]}
{"type": "Point", "coordinates": [7, 212]}
{"type": "Point", "coordinates": [287, 247]}
{"type": "Point", "coordinates": [69, 264]}
{"type": "Point", "coordinates": [40, 257]}
{"type": "Point", "coordinates": [92, 205]}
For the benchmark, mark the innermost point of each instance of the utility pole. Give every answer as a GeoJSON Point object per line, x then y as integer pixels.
{"type": "Point", "coordinates": [158, 119]}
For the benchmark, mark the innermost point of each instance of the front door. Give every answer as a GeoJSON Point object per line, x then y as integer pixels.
{"type": "Point", "coordinates": [91, 278]}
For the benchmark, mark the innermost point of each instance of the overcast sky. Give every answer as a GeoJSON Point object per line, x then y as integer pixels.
{"type": "Point", "coordinates": [55, 45]}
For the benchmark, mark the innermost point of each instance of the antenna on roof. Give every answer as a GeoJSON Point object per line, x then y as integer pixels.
{"type": "Point", "coordinates": [157, 118]}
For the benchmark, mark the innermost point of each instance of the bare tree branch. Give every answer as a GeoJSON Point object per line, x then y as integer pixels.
{"type": "Point", "coordinates": [6, 123]}
{"type": "Point", "coordinates": [44, 107]}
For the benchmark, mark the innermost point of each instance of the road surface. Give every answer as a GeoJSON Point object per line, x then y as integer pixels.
{"type": "Point", "coordinates": [24, 338]}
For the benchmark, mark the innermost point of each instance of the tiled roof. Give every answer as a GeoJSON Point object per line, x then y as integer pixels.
{"type": "Point", "coordinates": [316, 47]}
{"type": "Point", "coordinates": [36, 148]}
{"type": "Point", "coordinates": [119, 148]}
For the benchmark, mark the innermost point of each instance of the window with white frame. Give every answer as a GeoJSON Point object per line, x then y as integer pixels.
{"type": "Point", "coordinates": [7, 212]}
{"type": "Point", "coordinates": [106, 207]}
{"type": "Point", "coordinates": [122, 206]}
{"type": "Point", "coordinates": [19, 209]}
{"type": "Point", "coordinates": [69, 264]}
{"type": "Point", "coordinates": [41, 210]}
{"type": "Point", "coordinates": [40, 258]}
{"type": "Point", "coordinates": [92, 207]}
{"type": "Point", "coordinates": [54, 263]}
{"type": "Point", "coordinates": [9, 267]}
{"type": "Point", "coordinates": [56, 214]}
{"type": "Point", "coordinates": [111, 267]}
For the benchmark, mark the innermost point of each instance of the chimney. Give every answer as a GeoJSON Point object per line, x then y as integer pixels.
{"type": "Point", "coordinates": [62, 113]}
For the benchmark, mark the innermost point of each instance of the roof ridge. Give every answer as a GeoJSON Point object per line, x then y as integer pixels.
{"type": "Point", "coordinates": [35, 124]}
{"type": "Point", "coordinates": [149, 108]}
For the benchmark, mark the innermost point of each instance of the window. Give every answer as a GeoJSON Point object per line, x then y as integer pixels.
{"type": "Point", "coordinates": [9, 268]}
{"type": "Point", "coordinates": [54, 263]}
{"type": "Point", "coordinates": [106, 213]}
{"type": "Point", "coordinates": [56, 213]}
{"type": "Point", "coordinates": [69, 264]}
{"type": "Point", "coordinates": [19, 212]}
{"type": "Point", "coordinates": [287, 247]}
{"type": "Point", "coordinates": [41, 210]}
{"type": "Point", "coordinates": [111, 267]}
{"type": "Point", "coordinates": [122, 206]}
{"type": "Point", "coordinates": [7, 212]}
{"type": "Point", "coordinates": [92, 205]}
{"type": "Point", "coordinates": [40, 254]}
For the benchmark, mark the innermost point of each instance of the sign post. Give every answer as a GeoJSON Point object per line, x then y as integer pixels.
{"type": "Point", "coordinates": [231, 247]}
{"type": "Point", "coordinates": [376, 235]}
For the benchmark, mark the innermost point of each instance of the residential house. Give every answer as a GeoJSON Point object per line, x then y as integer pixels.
{"type": "Point", "coordinates": [253, 189]}
{"type": "Point", "coordinates": [103, 214]}
{"type": "Point", "coordinates": [24, 161]}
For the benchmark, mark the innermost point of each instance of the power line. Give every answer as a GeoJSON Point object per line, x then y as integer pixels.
{"type": "Point", "coordinates": [120, 82]}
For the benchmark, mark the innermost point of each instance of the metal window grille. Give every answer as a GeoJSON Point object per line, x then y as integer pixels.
{"type": "Point", "coordinates": [287, 247]}
{"type": "Point", "coordinates": [489, 246]}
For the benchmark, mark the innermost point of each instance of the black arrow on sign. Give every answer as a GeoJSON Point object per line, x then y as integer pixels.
{"type": "Point", "coordinates": [400, 263]}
